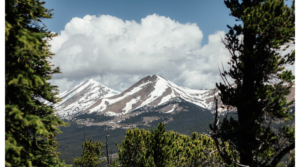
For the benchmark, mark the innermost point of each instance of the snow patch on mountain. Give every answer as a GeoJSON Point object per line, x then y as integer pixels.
{"type": "Point", "coordinates": [109, 113]}
{"type": "Point", "coordinates": [171, 109]}
{"type": "Point", "coordinates": [128, 106]}
{"type": "Point", "coordinates": [167, 98]}
{"type": "Point", "coordinates": [160, 86]}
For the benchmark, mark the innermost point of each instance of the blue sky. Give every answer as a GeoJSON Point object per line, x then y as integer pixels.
{"type": "Point", "coordinates": [210, 16]}
{"type": "Point", "coordinates": [118, 42]}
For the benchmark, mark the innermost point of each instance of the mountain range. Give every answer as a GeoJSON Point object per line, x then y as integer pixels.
{"type": "Point", "coordinates": [152, 93]}
{"type": "Point", "coordinates": [148, 93]}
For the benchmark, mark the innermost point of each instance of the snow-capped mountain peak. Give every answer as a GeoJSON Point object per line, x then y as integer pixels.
{"type": "Point", "coordinates": [80, 97]}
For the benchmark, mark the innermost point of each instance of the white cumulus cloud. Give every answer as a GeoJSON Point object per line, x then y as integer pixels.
{"type": "Point", "coordinates": [118, 53]}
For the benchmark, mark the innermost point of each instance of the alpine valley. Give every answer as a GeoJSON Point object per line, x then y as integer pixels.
{"type": "Point", "coordinates": [94, 111]}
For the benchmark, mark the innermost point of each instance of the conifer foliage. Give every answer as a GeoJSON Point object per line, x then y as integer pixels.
{"type": "Point", "coordinates": [260, 82]}
{"type": "Point", "coordinates": [30, 126]}
{"type": "Point", "coordinates": [160, 148]}
{"type": "Point", "coordinates": [91, 154]}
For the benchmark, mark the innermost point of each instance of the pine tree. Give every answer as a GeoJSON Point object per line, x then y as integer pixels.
{"type": "Point", "coordinates": [91, 154]}
{"type": "Point", "coordinates": [134, 150]}
{"type": "Point", "coordinates": [268, 27]}
{"type": "Point", "coordinates": [30, 126]}
{"type": "Point", "coordinates": [160, 148]}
